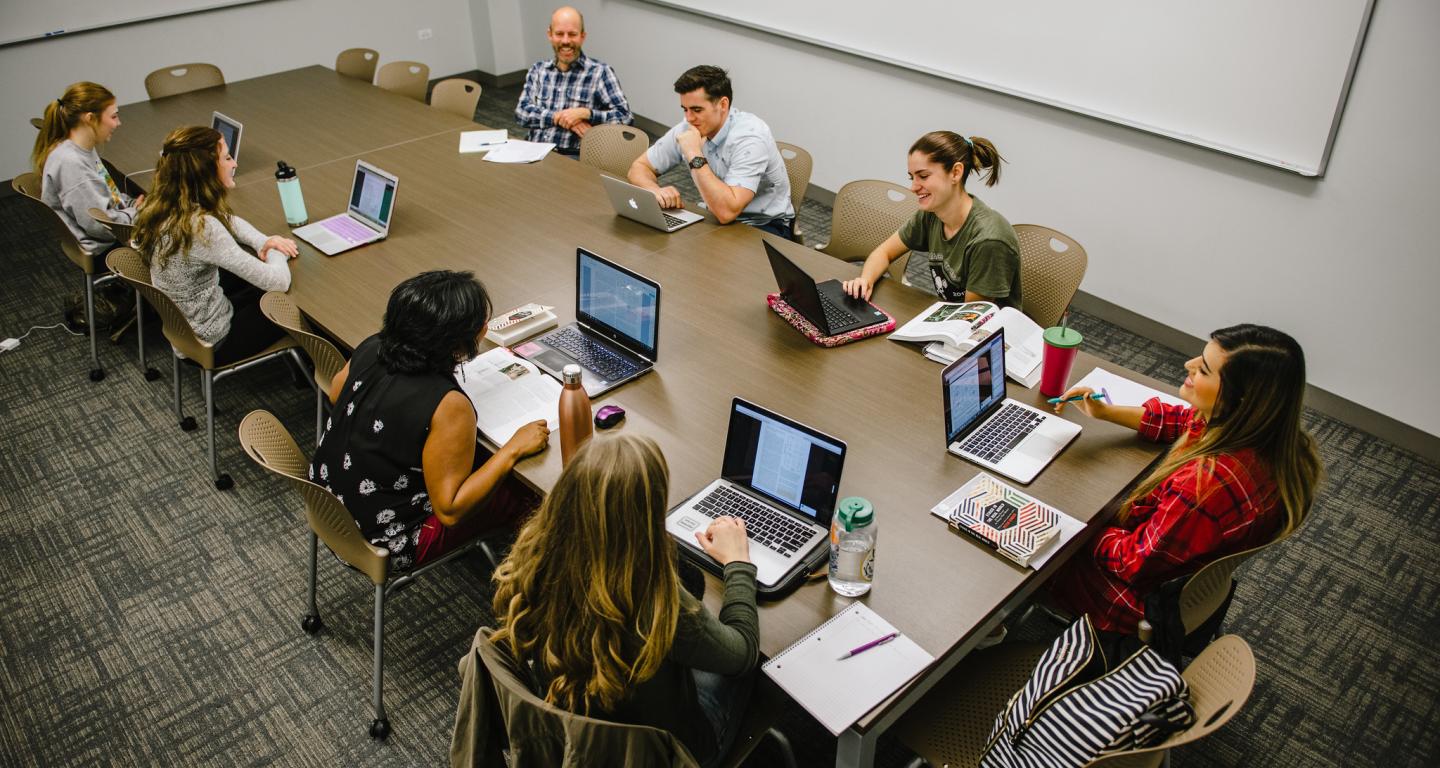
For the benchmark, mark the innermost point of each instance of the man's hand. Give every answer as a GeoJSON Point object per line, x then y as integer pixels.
{"type": "Point", "coordinates": [692, 144]}
{"type": "Point", "coordinates": [668, 197]}
{"type": "Point", "coordinates": [567, 118]}
{"type": "Point", "coordinates": [580, 128]}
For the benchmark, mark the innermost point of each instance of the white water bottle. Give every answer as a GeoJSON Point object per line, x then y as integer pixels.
{"type": "Point", "coordinates": [852, 547]}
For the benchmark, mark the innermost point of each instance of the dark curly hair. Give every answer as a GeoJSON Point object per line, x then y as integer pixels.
{"type": "Point", "coordinates": [432, 322]}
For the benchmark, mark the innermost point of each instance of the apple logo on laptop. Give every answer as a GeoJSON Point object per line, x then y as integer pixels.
{"type": "Point", "coordinates": [633, 205]}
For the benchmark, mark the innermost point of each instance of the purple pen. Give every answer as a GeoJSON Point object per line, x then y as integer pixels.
{"type": "Point", "coordinates": [869, 645]}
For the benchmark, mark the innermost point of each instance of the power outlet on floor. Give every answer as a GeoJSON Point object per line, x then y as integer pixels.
{"type": "Point", "coordinates": [9, 344]}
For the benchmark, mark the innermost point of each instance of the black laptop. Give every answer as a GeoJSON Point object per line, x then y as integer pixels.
{"type": "Point", "coordinates": [825, 304]}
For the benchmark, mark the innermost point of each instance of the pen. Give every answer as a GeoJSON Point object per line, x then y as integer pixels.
{"type": "Point", "coordinates": [869, 645]}
{"type": "Point", "coordinates": [1103, 394]}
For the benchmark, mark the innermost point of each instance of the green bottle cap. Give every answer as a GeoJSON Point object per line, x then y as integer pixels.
{"type": "Point", "coordinates": [855, 512]}
{"type": "Point", "coordinates": [1064, 338]}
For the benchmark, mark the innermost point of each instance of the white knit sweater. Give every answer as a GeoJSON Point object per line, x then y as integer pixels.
{"type": "Point", "coordinates": [192, 279]}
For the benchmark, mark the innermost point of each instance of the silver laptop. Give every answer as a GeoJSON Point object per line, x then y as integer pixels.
{"type": "Point", "coordinates": [367, 219]}
{"type": "Point", "coordinates": [231, 129]}
{"type": "Point", "coordinates": [779, 476]}
{"type": "Point", "coordinates": [616, 331]}
{"type": "Point", "coordinates": [984, 426]}
{"type": "Point", "coordinates": [639, 204]}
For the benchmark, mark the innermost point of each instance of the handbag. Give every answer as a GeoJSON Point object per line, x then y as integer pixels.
{"type": "Point", "coordinates": [1072, 710]}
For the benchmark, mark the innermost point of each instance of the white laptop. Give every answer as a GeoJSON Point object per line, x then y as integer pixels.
{"type": "Point", "coordinates": [231, 129]}
{"type": "Point", "coordinates": [639, 204]}
{"type": "Point", "coordinates": [367, 219]}
{"type": "Point", "coordinates": [984, 426]}
{"type": "Point", "coordinates": [779, 476]}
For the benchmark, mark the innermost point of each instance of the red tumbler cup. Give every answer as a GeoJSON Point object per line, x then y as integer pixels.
{"type": "Point", "coordinates": [1061, 344]}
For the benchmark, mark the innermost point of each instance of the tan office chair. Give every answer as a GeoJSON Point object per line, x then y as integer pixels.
{"type": "Point", "coordinates": [407, 78]}
{"type": "Point", "coordinates": [951, 724]}
{"type": "Point", "coordinates": [269, 444]}
{"type": "Point", "coordinates": [867, 213]}
{"type": "Point", "coordinates": [182, 78]}
{"type": "Point", "coordinates": [123, 233]}
{"type": "Point", "coordinates": [358, 63]}
{"type": "Point", "coordinates": [612, 147]}
{"type": "Point", "coordinates": [540, 734]}
{"type": "Point", "coordinates": [131, 268]}
{"type": "Point", "coordinates": [326, 360]}
{"type": "Point", "coordinates": [1051, 268]}
{"type": "Point", "coordinates": [37, 123]}
{"type": "Point", "coordinates": [798, 165]}
{"type": "Point", "coordinates": [95, 273]}
{"type": "Point", "coordinates": [456, 95]}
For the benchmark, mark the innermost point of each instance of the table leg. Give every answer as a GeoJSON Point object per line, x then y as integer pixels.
{"type": "Point", "coordinates": [856, 750]}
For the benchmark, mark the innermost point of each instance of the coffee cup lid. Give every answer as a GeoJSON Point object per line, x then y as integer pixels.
{"type": "Point", "coordinates": [1063, 337]}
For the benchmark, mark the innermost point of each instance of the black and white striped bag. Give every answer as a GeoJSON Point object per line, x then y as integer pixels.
{"type": "Point", "coordinates": [1072, 711]}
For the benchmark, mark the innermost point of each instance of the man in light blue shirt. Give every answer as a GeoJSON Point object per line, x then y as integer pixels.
{"type": "Point", "coordinates": [732, 157]}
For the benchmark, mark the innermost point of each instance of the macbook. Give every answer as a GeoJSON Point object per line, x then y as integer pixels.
{"type": "Point", "coordinates": [639, 204]}
{"type": "Point", "coordinates": [779, 476]}
{"type": "Point", "coordinates": [616, 328]}
{"type": "Point", "coordinates": [984, 426]}
{"type": "Point", "coordinates": [367, 219]}
{"type": "Point", "coordinates": [230, 129]}
{"type": "Point", "coordinates": [825, 305]}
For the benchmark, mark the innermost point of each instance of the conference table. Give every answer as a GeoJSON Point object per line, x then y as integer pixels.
{"type": "Point", "coordinates": [518, 226]}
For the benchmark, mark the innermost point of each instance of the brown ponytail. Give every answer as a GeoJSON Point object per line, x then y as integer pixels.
{"type": "Point", "coordinates": [975, 153]}
{"type": "Point", "coordinates": [186, 188]}
{"type": "Point", "coordinates": [65, 113]}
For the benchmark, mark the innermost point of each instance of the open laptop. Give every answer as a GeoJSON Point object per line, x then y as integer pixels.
{"type": "Point", "coordinates": [616, 328]}
{"type": "Point", "coordinates": [825, 305]}
{"type": "Point", "coordinates": [779, 476]}
{"type": "Point", "coordinates": [367, 219]}
{"type": "Point", "coordinates": [639, 204]}
{"type": "Point", "coordinates": [230, 129]}
{"type": "Point", "coordinates": [984, 426]}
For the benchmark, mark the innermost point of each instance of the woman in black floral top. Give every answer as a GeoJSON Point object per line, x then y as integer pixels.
{"type": "Point", "coordinates": [399, 448]}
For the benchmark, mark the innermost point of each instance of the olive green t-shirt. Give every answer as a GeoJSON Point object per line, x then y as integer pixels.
{"type": "Point", "coordinates": [983, 257]}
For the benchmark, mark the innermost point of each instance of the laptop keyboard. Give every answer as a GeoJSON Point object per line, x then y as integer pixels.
{"type": "Point", "coordinates": [591, 354]}
{"type": "Point", "coordinates": [836, 315]}
{"type": "Point", "coordinates": [1002, 432]}
{"type": "Point", "coordinates": [672, 221]}
{"type": "Point", "coordinates": [773, 530]}
{"type": "Point", "coordinates": [348, 228]}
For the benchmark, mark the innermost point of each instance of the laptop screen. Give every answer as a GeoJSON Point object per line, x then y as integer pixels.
{"type": "Point", "coordinates": [373, 196]}
{"type": "Point", "coordinates": [973, 384]}
{"type": "Point", "coordinates": [229, 130]}
{"type": "Point", "coordinates": [617, 303]}
{"type": "Point", "coordinates": [791, 464]}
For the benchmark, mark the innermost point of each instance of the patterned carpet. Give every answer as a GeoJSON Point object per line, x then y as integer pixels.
{"type": "Point", "coordinates": [147, 619]}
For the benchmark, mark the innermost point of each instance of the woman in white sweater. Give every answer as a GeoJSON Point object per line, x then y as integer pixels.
{"type": "Point", "coordinates": [193, 243]}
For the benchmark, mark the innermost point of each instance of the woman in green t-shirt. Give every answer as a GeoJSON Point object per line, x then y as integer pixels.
{"type": "Point", "coordinates": [973, 252]}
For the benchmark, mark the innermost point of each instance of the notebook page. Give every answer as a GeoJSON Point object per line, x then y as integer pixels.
{"type": "Point", "coordinates": [1124, 391]}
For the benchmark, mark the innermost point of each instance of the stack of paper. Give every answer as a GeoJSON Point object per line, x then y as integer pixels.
{"type": "Point", "coordinates": [481, 141]}
{"type": "Point", "coordinates": [517, 151]}
{"type": "Point", "coordinates": [508, 393]}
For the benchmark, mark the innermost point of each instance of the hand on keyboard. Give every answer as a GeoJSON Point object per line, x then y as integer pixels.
{"type": "Point", "coordinates": [725, 540]}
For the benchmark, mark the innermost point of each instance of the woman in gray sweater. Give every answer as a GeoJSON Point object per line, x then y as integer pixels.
{"type": "Point", "coordinates": [193, 243]}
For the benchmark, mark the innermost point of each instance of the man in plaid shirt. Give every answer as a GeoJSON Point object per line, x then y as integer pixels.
{"type": "Point", "coordinates": [566, 95]}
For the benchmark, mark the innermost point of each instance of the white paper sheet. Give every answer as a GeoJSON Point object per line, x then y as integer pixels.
{"type": "Point", "coordinates": [1124, 391]}
{"type": "Point", "coordinates": [481, 141]}
{"type": "Point", "coordinates": [508, 393]}
{"type": "Point", "coordinates": [517, 151]}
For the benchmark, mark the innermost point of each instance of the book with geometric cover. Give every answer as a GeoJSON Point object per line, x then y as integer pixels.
{"type": "Point", "coordinates": [1016, 525]}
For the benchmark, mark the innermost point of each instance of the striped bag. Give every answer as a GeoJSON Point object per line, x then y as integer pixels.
{"type": "Point", "coordinates": [1072, 711]}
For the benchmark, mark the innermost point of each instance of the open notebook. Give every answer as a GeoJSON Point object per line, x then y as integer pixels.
{"type": "Point", "coordinates": [838, 692]}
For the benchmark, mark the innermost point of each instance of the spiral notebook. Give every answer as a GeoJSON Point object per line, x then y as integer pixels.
{"type": "Point", "coordinates": [836, 691]}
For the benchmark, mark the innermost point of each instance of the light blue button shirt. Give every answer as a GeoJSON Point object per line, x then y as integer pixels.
{"type": "Point", "coordinates": [742, 154]}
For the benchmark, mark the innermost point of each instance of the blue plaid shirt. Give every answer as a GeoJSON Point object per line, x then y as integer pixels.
{"type": "Point", "coordinates": [588, 83]}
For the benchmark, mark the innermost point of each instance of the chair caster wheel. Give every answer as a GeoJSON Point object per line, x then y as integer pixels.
{"type": "Point", "coordinates": [97, 374]}
{"type": "Point", "coordinates": [224, 483]}
{"type": "Point", "coordinates": [188, 424]}
{"type": "Point", "coordinates": [311, 624]}
{"type": "Point", "coordinates": [380, 729]}
{"type": "Point", "coordinates": [151, 374]}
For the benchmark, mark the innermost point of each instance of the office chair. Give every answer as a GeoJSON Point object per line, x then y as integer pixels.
{"type": "Point", "coordinates": [456, 95]}
{"type": "Point", "coordinates": [798, 165]}
{"type": "Point", "coordinates": [866, 214]}
{"type": "Point", "coordinates": [358, 63]}
{"type": "Point", "coordinates": [1051, 268]}
{"type": "Point", "coordinates": [123, 233]}
{"type": "Point", "coordinates": [325, 358]}
{"type": "Point", "coordinates": [612, 147]}
{"type": "Point", "coordinates": [182, 78]}
{"type": "Point", "coordinates": [407, 78]}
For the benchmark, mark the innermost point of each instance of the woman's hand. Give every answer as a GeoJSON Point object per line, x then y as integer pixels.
{"type": "Point", "coordinates": [858, 288]}
{"type": "Point", "coordinates": [725, 540]}
{"type": "Point", "coordinates": [1089, 406]}
{"type": "Point", "coordinates": [282, 244]}
{"type": "Point", "coordinates": [529, 439]}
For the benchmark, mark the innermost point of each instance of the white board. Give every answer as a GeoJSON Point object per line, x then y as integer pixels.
{"type": "Point", "coordinates": [26, 20]}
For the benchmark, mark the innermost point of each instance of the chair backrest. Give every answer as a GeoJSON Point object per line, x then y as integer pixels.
{"type": "Point", "coordinates": [37, 123]}
{"type": "Point", "coordinates": [866, 213]}
{"type": "Point", "coordinates": [182, 78]}
{"type": "Point", "coordinates": [539, 732]}
{"type": "Point", "coordinates": [327, 359]}
{"type": "Point", "coordinates": [358, 63]}
{"type": "Point", "coordinates": [1206, 591]}
{"type": "Point", "coordinates": [798, 165]}
{"type": "Point", "coordinates": [120, 230]}
{"type": "Point", "coordinates": [456, 95]}
{"type": "Point", "coordinates": [407, 78]}
{"type": "Point", "coordinates": [132, 268]}
{"type": "Point", "coordinates": [28, 185]}
{"type": "Point", "coordinates": [612, 147]}
{"type": "Point", "coordinates": [1051, 268]}
{"type": "Point", "coordinates": [269, 444]}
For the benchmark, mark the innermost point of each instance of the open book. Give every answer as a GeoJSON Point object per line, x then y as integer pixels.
{"type": "Point", "coordinates": [508, 393]}
{"type": "Point", "coordinates": [955, 328]}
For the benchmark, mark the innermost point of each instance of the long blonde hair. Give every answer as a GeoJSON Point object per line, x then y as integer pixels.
{"type": "Point", "coordinates": [590, 590]}
{"type": "Point", "coordinates": [64, 114]}
{"type": "Point", "coordinates": [187, 187]}
{"type": "Point", "coordinates": [1261, 399]}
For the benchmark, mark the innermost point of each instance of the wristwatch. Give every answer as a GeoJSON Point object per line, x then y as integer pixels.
{"type": "Point", "coordinates": [698, 162]}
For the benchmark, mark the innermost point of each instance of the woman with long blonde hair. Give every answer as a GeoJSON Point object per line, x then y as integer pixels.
{"type": "Point", "coordinates": [188, 233]}
{"type": "Point", "coordinates": [72, 177]}
{"type": "Point", "coordinates": [1242, 472]}
{"type": "Point", "coordinates": [590, 600]}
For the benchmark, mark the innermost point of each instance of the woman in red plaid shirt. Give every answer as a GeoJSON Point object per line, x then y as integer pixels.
{"type": "Point", "coordinates": [1241, 472]}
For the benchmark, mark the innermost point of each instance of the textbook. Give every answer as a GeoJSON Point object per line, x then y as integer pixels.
{"type": "Point", "coordinates": [1011, 522]}
{"type": "Point", "coordinates": [955, 328]}
{"type": "Point", "coordinates": [508, 393]}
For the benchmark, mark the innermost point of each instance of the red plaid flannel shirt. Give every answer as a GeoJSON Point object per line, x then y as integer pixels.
{"type": "Point", "coordinates": [1207, 509]}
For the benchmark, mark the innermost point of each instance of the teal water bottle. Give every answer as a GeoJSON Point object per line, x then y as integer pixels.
{"type": "Point", "coordinates": [852, 547]}
{"type": "Point", "coordinates": [289, 183]}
